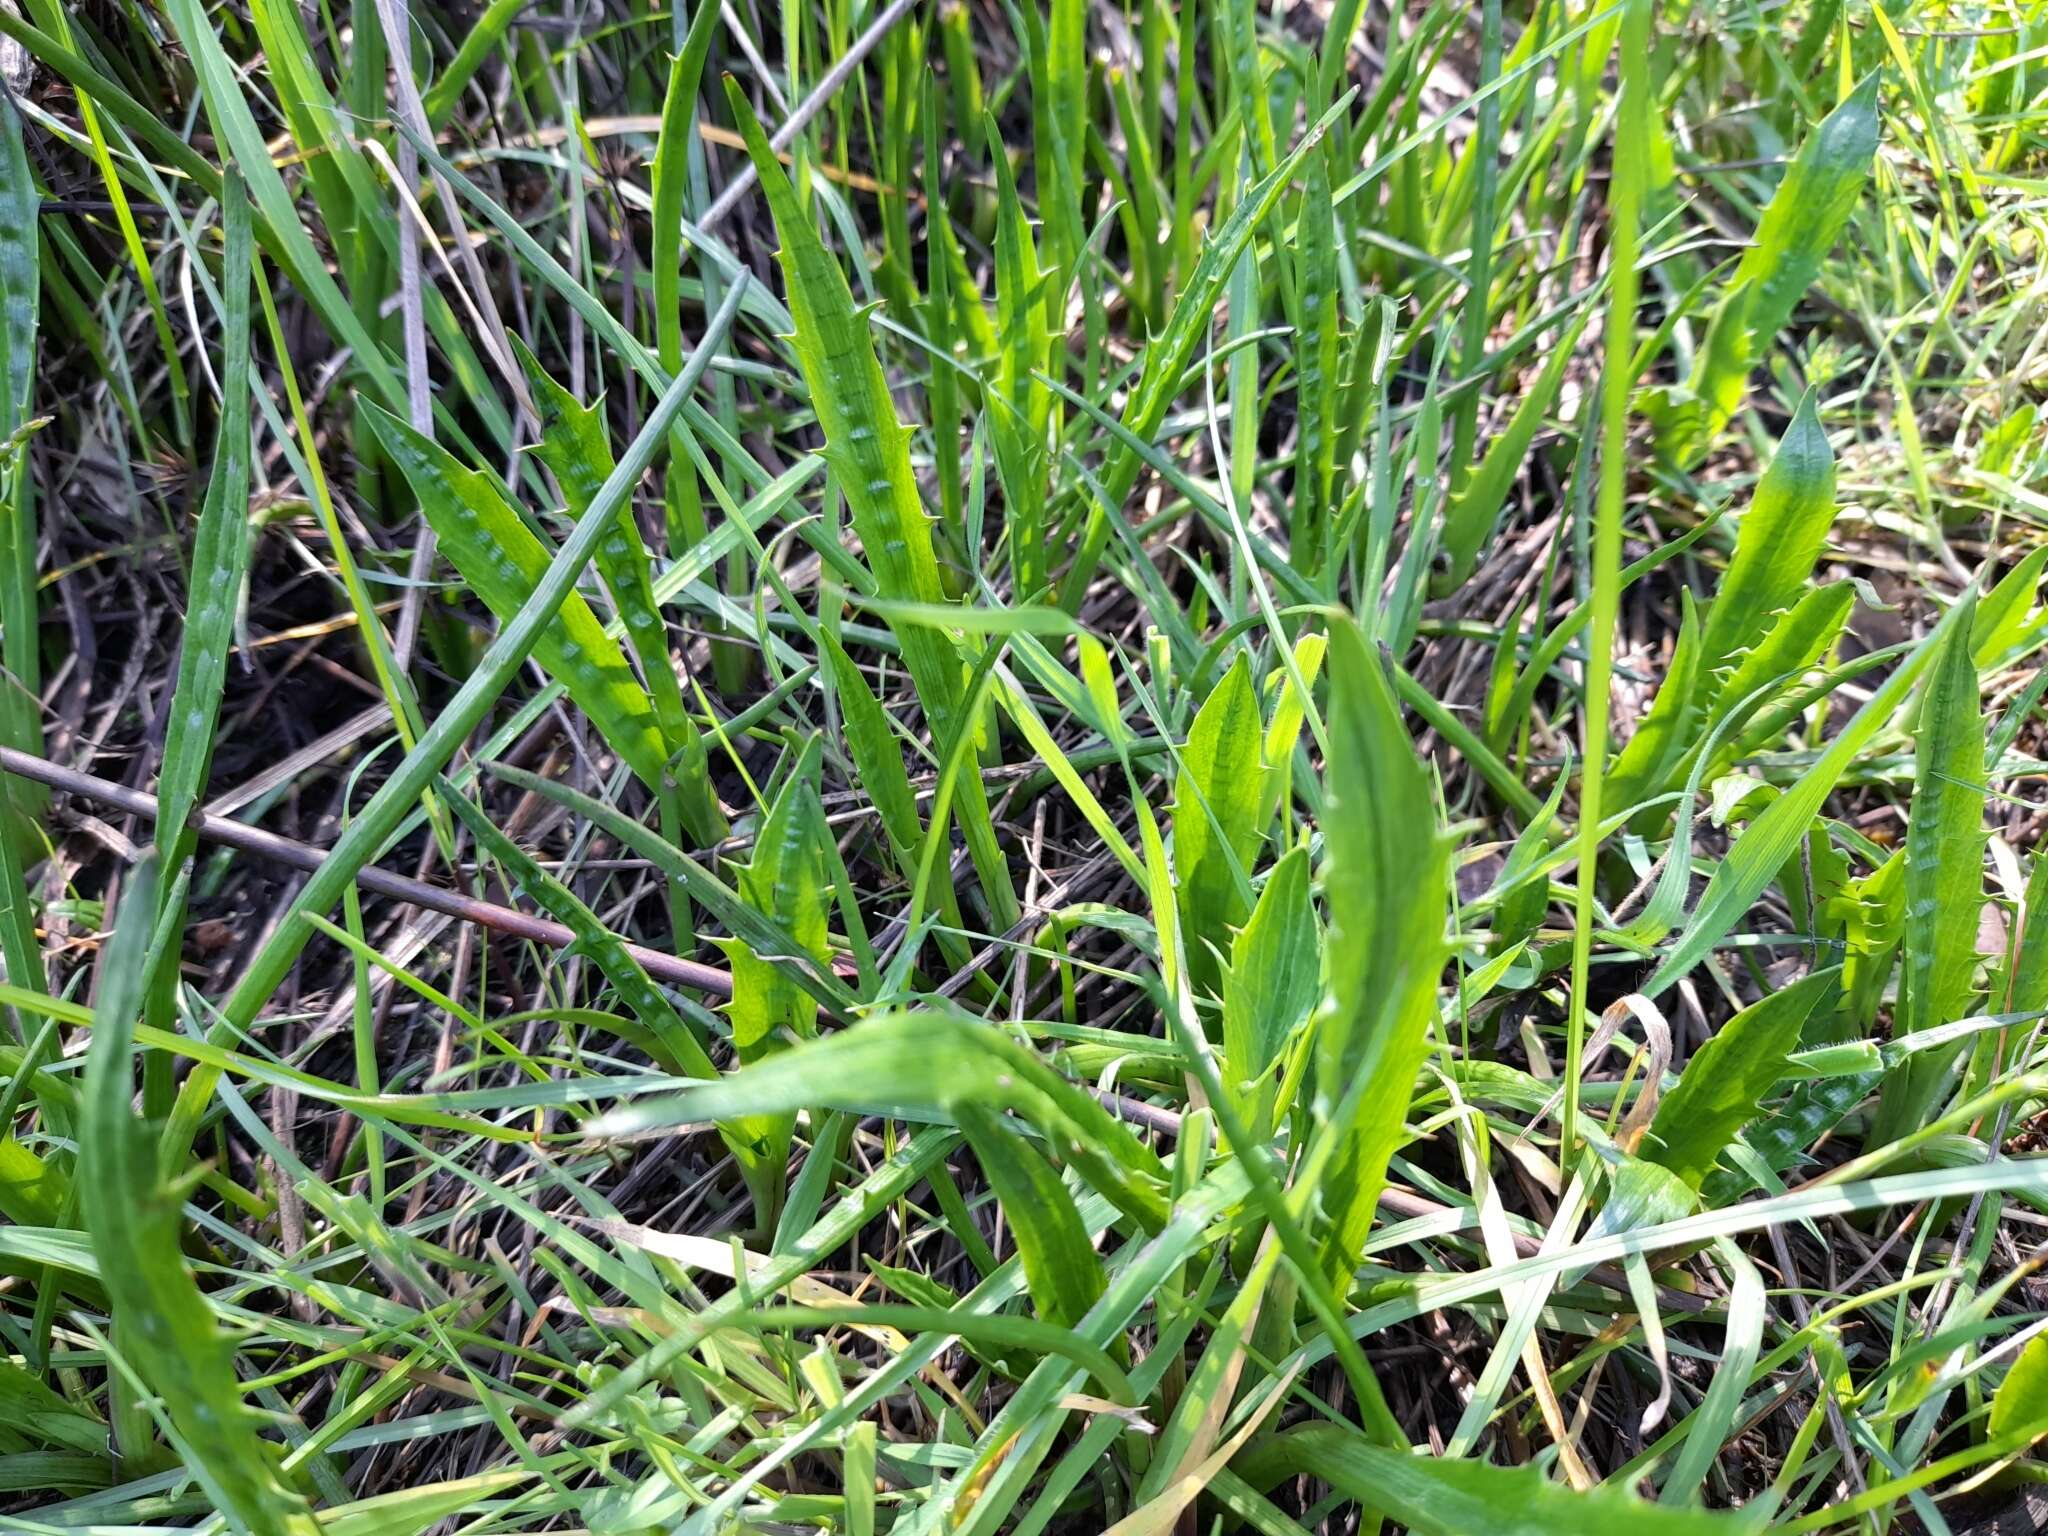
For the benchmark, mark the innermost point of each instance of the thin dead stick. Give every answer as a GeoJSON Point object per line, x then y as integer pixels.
{"type": "Point", "coordinates": [285, 850]}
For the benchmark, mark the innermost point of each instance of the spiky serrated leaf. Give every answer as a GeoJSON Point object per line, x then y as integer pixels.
{"type": "Point", "coordinates": [169, 1334]}
{"type": "Point", "coordinates": [503, 561]}
{"type": "Point", "coordinates": [868, 449]}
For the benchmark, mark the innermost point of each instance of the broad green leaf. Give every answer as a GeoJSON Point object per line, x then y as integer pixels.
{"type": "Point", "coordinates": [1218, 796]}
{"type": "Point", "coordinates": [503, 561]}
{"type": "Point", "coordinates": [28, 1406]}
{"type": "Point", "coordinates": [1777, 541]}
{"type": "Point", "coordinates": [1283, 731]}
{"type": "Point", "coordinates": [1726, 1080]}
{"type": "Point", "coordinates": [33, 1191]}
{"type": "Point", "coordinates": [1945, 838]}
{"type": "Point", "coordinates": [762, 933]}
{"type": "Point", "coordinates": [2022, 1398]}
{"type": "Point", "coordinates": [1998, 453]}
{"type": "Point", "coordinates": [1388, 888]}
{"type": "Point", "coordinates": [2005, 618]}
{"type": "Point", "coordinates": [1274, 979]}
{"type": "Point", "coordinates": [168, 1332]}
{"type": "Point", "coordinates": [1060, 1265]}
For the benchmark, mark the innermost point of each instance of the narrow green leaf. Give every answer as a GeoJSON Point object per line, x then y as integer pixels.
{"type": "Point", "coordinates": [1945, 837]}
{"type": "Point", "coordinates": [20, 296]}
{"type": "Point", "coordinates": [220, 554]}
{"type": "Point", "coordinates": [574, 445]}
{"type": "Point", "coordinates": [1760, 852]}
{"type": "Point", "coordinates": [920, 1066]}
{"type": "Point", "coordinates": [1166, 359]}
{"type": "Point", "coordinates": [877, 756]}
{"type": "Point", "coordinates": [1475, 509]}
{"type": "Point", "coordinates": [785, 881]}
{"type": "Point", "coordinates": [678, 1048]}
{"type": "Point", "coordinates": [868, 450]}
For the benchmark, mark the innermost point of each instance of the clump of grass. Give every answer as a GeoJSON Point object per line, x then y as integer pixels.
{"type": "Point", "coordinates": [1177, 777]}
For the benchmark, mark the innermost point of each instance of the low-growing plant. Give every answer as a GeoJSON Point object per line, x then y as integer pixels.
{"type": "Point", "coordinates": [967, 769]}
